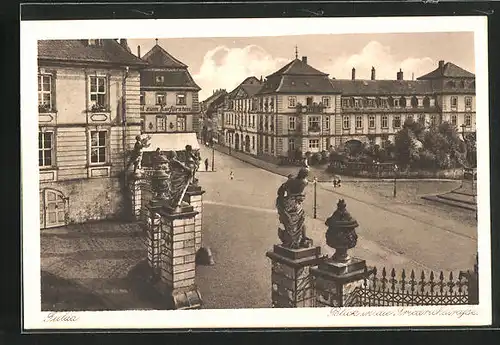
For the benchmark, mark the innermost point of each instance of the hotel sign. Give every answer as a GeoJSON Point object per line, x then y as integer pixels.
{"type": "Point", "coordinates": [166, 109]}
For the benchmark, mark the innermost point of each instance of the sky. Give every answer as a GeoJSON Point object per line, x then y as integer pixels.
{"type": "Point", "coordinates": [224, 63]}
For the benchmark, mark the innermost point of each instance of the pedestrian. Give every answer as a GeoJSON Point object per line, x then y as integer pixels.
{"type": "Point", "coordinates": [336, 181]}
{"type": "Point", "coordinates": [206, 164]}
{"type": "Point", "coordinates": [231, 175]}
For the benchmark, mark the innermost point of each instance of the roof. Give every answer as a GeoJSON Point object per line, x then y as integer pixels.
{"type": "Point", "coordinates": [298, 84]}
{"type": "Point", "coordinates": [449, 70]}
{"type": "Point", "coordinates": [80, 51]}
{"type": "Point", "coordinates": [173, 79]}
{"type": "Point", "coordinates": [297, 67]}
{"type": "Point", "coordinates": [382, 87]}
{"type": "Point", "coordinates": [250, 86]}
{"type": "Point", "coordinates": [214, 96]}
{"type": "Point", "coordinates": [159, 57]}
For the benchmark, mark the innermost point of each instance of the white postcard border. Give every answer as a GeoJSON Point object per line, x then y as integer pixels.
{"type": "Point", "coordinates": [34, 319]}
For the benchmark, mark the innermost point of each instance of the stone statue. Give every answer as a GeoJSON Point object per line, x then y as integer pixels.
{"type": "Point", "coordinates": [136, 157]}
{"type": "Point", "coordinates": [341, 233]}
{"type": "Point", "coordinates": [181, 177]}
{"type": "Point", "coordinates": [291, 214]}
{"type": "Point", "coordinates": [159, 179]}
{"type": "Point", "coordinates": [193, 163]}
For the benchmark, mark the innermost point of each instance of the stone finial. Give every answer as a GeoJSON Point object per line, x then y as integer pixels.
{"type": "Point", "coordinates": [341, 234]}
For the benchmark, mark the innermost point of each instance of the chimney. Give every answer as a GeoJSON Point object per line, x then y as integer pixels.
{"type": "Point", "coordinates": [353, 74]}
{"type": "Point", "coordinates": [373, 73]}
{"type": "Point", "coordinates": [124, 44]}
{"type": "Point", "coordinates": [304, 59]}
{"type": "Point", "coordinates": [441, 65]}
{"type": "Point", "coordinates": [139, 51]}
{"type": "Point", "coordinates": [399, 75]}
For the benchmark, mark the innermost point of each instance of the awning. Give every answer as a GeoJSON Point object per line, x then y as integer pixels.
{"type": "Point", "coordinates": [172, 141]}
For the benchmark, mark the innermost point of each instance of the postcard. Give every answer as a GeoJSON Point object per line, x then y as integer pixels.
{"type": "Point", "coordinates": [243, 173]}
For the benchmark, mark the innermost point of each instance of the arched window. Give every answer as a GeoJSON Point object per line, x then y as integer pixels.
{"type": "Point", "coordinates": [427, 102]}
{"type": "Point", "coordinates": [414, 102]}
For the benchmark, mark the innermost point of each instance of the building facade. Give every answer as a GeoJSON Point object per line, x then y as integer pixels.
{"type": "Point", "coordinates": [241, 116]}
{"type": "Point", "coordinates": [299, 109]}
{"type": "Point", "coordinates": [373, 111]}
{"type": "Point", "coordinates": [170, 110]}
{"type": "Point", "coordinates": [210, 112]}
{"type": "Point", "coordinates": [88, 101]}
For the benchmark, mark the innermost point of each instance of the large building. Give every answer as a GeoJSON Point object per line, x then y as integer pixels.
{"type": "Point", "coordinates": [241, 116]}
{"type": "Point", "coordinates": [210, 111]}
{"type": "Point", "coordinates": [88, 101]}
{"type": "Point", "coordinates": [374, 110]}
{"type": "Point", "coordinates": [170, 109]}
{"type": "Point", "coordinates": [299, 109]}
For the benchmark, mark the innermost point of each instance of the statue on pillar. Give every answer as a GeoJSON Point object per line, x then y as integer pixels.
{"type": "Point", "coordinates": [291, 213]}
{"type": "Point", "coordinates": [159, 178]}
{"type": "Point", "coordinates": [341, 234]}
{"type": "Point", "coordinates": [136, 157]}
{"type": "Point", "coordinates": [193, 163]}
{"type": "Point", "coordinates": [181, 176]}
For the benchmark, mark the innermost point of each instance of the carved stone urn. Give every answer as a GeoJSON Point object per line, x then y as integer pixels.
{"type": "Point", "coordinates": [341, 234]}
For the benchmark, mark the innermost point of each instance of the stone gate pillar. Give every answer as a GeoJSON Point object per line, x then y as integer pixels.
{"type": "Point", "coordinates": [292, 285]}
{"type": "Point", "coordinates": [194, 197]}
{"type": "Point", "coordinates": [177, 268]}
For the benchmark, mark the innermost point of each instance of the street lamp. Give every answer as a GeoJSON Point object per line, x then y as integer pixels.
{"type": "Point", "coordinates": [315, 182]}
{"type": "Point", "coordinates": [395, 174]}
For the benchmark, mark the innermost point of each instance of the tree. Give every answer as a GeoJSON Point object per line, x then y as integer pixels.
{"type": "Point", "coordinates": [405, 149]}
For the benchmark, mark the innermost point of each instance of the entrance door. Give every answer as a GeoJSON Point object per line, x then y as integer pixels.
{"type": "Point", "coordinates": [54, 209]}
{"type": "Point", "coordinates": [237, 142]}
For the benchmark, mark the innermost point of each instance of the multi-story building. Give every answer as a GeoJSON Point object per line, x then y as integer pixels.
{"type": "Point", "coordinates": [170, 110]}
{"type": "Point", "coordinates": [88, 101]}
{"type": "Point", "coordinates": [374, 110]}
{"type": "Point", "coordinates": [297, 108]}
{"type": "Point", "coordinates": [209, 109]}
{"type": "Point", "coordinates": [241, 117]}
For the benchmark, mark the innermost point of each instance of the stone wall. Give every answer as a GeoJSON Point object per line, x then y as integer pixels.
{"type": "Point", "coordinates": [91, 199]}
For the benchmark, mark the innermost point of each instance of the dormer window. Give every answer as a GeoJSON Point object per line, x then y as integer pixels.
{"type": "Point", "coordinates": [159, 79]}
{"type": "Point", "coordinates": [95, 42]}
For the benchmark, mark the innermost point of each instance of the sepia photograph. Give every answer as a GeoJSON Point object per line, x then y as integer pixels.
{"type": "Point", "coordinates": [203, 177]}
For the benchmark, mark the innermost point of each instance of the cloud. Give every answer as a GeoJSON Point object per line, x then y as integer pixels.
{"type": "Point", "coordinates": [386, 64]}
{"type": "Point", "coordinates": [224, 67]}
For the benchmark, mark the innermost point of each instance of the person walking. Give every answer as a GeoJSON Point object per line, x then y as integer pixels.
{"type": "Point", "coordinates": [206, 164]}
{"type": "Point", "coordinates": [231, 175]}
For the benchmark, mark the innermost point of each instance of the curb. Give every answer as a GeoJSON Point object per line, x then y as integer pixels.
{"type": "Point", "coordinates": [344, 180]}
{"type": "Point", "coordinates": [445, 202]}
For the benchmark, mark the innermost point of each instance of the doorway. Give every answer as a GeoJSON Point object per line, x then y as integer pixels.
{"type": "Point", "coordinates": [53, 209]}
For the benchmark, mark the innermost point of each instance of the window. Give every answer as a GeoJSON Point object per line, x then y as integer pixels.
{"type": "Point", "coordinates": [468, 103]}
{"type": "Point", "coordinates": [327, 122]}
{"type": "Point", "coordinates": [313, 122]}
{"type": "Point", "coordinates": [359, 122]}
{"type": "Point", "coordinates": [160, 99]}
{"type": "Point", "coordinates": [159, 79]}
{"type": "Point", "coordinates": [45, 149]}
{"type": "Point", "coordinates": [346, 123]}
{"type": "Point", "coordinates": [409, 117]}
{"type": "Point", "coordinates": [45, 91]}
{"type": "Point", "coordinates": [253, 143]}
{"type": "Point", "coordinates": [346, 102]}
{"type": "Point", "coordinates": [454, 102]}
{"type": "Point", "coordinates": [253, 121]}
{"type": "Point", "coordinates": [181, 123]}
{"type": "Point", "coordinates": [433, 120]}
{"type": "Point", "coordinates": [160, 124]}
{"type": "Point", "coordinates": [421, 119]}
{"type": "Point", "coordinates": [385, 121]}
{"type": "Point", "coordinates": [357, 103]}
{"type": "Point", "coordinates": [266, 144]}
{"type": "Point", "coordinates": [371, 121]}
{"type": "Point", "coordinates": [313, 143]}
{"type": "Point", "coordinates": [383, 103]}
{"type": "Point", "coordinates": [142, 98]}
{"type": "Point", "coordinates": [292, 101]}
{"type": "Point", "coordinates": [291, 144]}
{"type": "Point", "coordinates": [468, 120]}
{"type": "Point", "coordinates": [396, 102]}
{"type": "Point", "coordinates": [98, 146]}
{"type": "Point", "coordinates": [96, 42]}
{"type": "Point", "coordinates": [291, 123]}
{"type": "Point", "coordinates": [397, 121]}
{"type": "Point", "coordinates": [454, 120]}
{"type": "Point", "coordinates": [271, 104]}
{"type": "Point", "coordinates": [181, 99]}
{"type": "Point", "coordinates": [370, 103]}
{"type": "Point", "coordinates": [326, 102]}
{"type": "Point", "coordinates": [98, 92]}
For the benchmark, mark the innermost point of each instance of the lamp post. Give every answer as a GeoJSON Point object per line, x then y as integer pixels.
{"type": "Point", "coordinates": [395, 175]}
{"type": "Point", "coordinates": [315, 182]}
{"type": "Point", "coordinates": [213, 155]}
